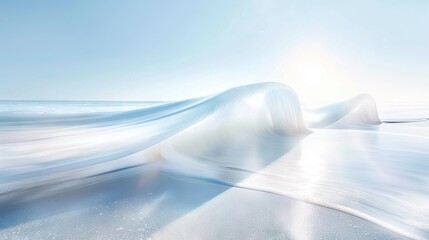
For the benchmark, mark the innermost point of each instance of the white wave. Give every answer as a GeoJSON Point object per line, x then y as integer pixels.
{"type": "Point", "coordinates": [358, 111]}
{"type": "Point", "coordinates": [41, 144]}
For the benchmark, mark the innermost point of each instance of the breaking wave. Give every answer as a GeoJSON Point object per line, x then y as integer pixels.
{"type": "Point", "coordinates": [358, 111]}
{"type": "Point", "coordinates": [41, 144]}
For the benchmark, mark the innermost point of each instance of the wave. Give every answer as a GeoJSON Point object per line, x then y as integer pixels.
{"type": "Point", "coordinates": [358, 111]}
{"type": "Point", "coordinates": [41, 144]}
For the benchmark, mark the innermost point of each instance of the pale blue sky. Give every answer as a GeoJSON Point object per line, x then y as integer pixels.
{"type": "Point", "coordinates": [159, 50]}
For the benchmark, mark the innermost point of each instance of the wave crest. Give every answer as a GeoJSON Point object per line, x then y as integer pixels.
{"type": "Point", "coordinates": [360, 111]}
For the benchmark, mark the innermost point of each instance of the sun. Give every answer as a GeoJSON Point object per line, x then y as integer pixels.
{"type": "Point", "coordinates": [310, 73]}
{"type": "Point", "coordinates": [313, 72]}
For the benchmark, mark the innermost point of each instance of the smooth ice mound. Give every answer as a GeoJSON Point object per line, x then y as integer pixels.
{"type": "Point", "coordinates": [338, 155]}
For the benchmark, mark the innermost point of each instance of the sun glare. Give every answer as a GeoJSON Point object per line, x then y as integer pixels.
{"type": "Point", "coordinates": [310, 73]}
{"type": "Point", "coordinates": [313, 73]}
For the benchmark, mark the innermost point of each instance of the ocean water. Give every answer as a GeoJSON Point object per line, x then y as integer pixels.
{"type": "Point", "coordinates": [247, 163]}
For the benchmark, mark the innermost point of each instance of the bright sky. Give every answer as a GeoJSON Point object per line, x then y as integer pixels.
{"type": "Point", "coordinates": [159, 50]}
